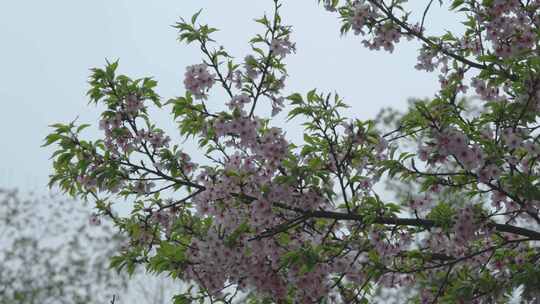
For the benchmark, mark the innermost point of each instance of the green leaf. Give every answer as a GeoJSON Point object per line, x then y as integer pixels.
{"type": "Point", "coordinates": [311, 95]}
{"type": "Point", "coordinates": [82, 127]}
{"type": "Point", "coordinates": [195, 16]}
{"type": "Point", "coordinates": [51, 138]}
{"type": "Point", "coordinates": [181, 299]}
{"type": "Point", "coordinates": [295, 99]}
{"type": "Point", "coordinates": [456, 4]}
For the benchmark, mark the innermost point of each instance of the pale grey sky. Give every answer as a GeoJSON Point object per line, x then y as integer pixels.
{"type": "Point", "coordinates": [48, 47]}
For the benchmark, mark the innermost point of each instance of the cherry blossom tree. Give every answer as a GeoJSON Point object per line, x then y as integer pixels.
{"type": "Point", "coordinates": [266, 220]}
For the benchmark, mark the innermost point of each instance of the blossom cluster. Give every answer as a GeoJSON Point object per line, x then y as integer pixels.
{"type": "Point", "coordinates": [282, 46]}
{"type": "Point", "coordinates": [198, 80]}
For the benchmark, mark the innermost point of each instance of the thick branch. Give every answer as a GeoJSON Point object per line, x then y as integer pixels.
{"type": "Point", "coordinates": [415, 222]}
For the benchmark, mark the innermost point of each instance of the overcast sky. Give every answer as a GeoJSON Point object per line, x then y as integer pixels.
{"type": "Point", "coordinates": [48, 47]}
